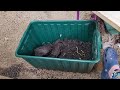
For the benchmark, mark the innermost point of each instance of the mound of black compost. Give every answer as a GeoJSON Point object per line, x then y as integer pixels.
{"type": "Point", "coordinates": [70, 49]}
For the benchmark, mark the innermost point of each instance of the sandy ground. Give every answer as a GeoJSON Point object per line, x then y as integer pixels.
{"type": "Point", "coordinates": [4, 77]}
{"type": "Point", "coordinates": [12, 26]}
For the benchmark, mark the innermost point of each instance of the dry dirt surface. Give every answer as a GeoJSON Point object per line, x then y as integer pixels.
{"type": "Point", "coordinates": [12, 26]}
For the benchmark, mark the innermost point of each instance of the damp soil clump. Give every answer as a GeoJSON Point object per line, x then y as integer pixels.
{"type": "Point", "coordinates": [69, 49]}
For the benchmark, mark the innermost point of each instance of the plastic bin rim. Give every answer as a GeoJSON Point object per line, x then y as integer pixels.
{"type": "Point", "coordinates": [34, 21]}
{"type": "Point", "coordinates": [49, 58]}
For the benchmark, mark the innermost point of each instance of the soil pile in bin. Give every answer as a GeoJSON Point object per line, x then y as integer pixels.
{"type": "Point", "coordinates": [70, 49]}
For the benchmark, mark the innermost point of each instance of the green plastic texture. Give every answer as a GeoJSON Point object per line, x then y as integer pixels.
{"type": "Point", "coordinates": [110, 29]}
{"type": "Point", "coordinates": [43, 32]}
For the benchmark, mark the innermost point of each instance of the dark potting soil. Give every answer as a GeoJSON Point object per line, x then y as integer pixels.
{"type": "Point", "coordinates": [70, 49]}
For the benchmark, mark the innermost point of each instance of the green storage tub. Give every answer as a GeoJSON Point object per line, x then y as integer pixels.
{"type": "Point", "coordinates": [110, 29]}
{"type": "Point", "coordinates": [39, 32]}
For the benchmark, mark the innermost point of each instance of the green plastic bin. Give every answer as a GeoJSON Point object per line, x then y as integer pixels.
{"type": "Point", "coordinates": [110, 29]}
{"type": "Point", "coordinates": [40, 32]}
